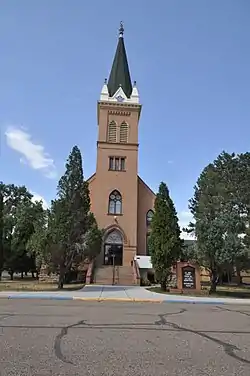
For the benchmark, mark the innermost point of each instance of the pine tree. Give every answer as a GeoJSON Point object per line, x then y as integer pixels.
{"type": "Point", "coordinates": [164, 241]}
{"type": "Point", "coordinates": [70, 219]}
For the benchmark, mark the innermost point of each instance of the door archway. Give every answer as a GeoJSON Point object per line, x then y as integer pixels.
{"type": "Point", "coordinates": [113, 248]}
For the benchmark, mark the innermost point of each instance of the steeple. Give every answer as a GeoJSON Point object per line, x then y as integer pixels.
{"type": "Point", "coordinates": [119, 75]}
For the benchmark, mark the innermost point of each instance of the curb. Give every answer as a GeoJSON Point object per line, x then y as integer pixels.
{"type": "Point", "coordinates": [128, 300]}
{"type": "Point", "coordinates": [213, 302]}
{"type": "Point", "coordinates": [148, 300]}
{"type": "Point", "coordinates": [42, 297]}
{"type": "Point", "coordinates": [103, 299]}
{"type": "Point", "coordinates": [94, 284]}
{"type": "Point", "coordinates": [79, 298]}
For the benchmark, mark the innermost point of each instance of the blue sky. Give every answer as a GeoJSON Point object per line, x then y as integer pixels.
{"type": "Point", "coordinates": [191, 62]}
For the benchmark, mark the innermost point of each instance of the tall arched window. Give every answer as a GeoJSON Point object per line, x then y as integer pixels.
{"type": "Point", "coordinates": [124, 132]}
{"type": "Point", "coordinates": [115, 203]}
{"type": "Point", "coordinates": [112, 132]}
{"type": "Point", "coordinates": [149, 217]}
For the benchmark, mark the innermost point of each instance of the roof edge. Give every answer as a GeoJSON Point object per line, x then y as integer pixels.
{"type": "Point", "coordinates": [91, 177]}
{"type": "Point", "coordinates": [146, 185]}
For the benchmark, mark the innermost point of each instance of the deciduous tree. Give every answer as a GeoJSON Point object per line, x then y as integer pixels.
{"type": "Point", "coordinates": [37, 245]}
{"type": "Point", "coordinates": [220, 205]}
{"type": "Point", "coordinates": [12, 197]}
{"type": "Point", "coordinates": [19, 260]}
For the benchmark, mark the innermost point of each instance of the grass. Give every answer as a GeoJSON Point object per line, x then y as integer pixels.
{"type": "Point", "coordinates": [178, 292]}
{"type": "Point", "coordinates": [242, 292]}
{"type": "Point", "coordinates": [35, 285]}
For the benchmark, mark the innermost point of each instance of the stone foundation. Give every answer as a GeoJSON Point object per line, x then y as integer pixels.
{"type": "Point", "coordinates": [173, 283]}
{"type": "Point", "coordinates": [46, 277]}
{"type": "Point", "coordinates": [82, 271]}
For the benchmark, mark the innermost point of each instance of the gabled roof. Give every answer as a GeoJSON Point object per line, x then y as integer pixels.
{"type": "Point", "coordinates": [92, 177]}
{"type": "Point", "coordinates": [119, 75]}
{"type": "Point", "coordinates": [143, 182]}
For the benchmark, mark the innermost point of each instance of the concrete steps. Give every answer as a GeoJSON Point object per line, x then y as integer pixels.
{"type": "Point", "coordinates": [104, 275]}
{"type": "Point", "coordinates": [123, 275]}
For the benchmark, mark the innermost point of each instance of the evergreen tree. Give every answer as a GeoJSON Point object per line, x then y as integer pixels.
{"type": "Point", "coordinates": [164, 241]}
{"type": "Point", "coordinates": [92, 240]}
{"type": "Point", "coordinates": [70, 218]}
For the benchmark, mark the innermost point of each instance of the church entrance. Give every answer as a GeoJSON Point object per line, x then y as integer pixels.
{"type": "Point", "coordinates": [113, 248]}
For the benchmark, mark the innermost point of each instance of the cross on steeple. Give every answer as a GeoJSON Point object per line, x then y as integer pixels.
{"type": "Point", "coordinates": [121, 30]}
{"type": "Point", "coordinates": [119, 75]}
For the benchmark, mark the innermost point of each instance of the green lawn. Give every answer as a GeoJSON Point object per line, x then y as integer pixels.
{"type": "Point", "coordinates": [34, 285]}
{"type": "Point", "coordinates": [222, 291]}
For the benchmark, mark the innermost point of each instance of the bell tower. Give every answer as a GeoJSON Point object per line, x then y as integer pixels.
{"type": "Point", "coordinates": [116, 178]}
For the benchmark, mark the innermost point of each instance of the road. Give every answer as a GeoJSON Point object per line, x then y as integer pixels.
{"type": "Point", "coordinates": [47, 338]}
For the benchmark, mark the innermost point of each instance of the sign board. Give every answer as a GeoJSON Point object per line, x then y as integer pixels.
{"type": "Point", "coordinates": [188, 277]}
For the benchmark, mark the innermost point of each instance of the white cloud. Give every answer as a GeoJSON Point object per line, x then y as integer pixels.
{"type": "Point", "coordinates": [33, 154]}
{"type": "Point", "coordinates": [37, 197]}
{"type": "Point", "coordinates": [184, 218]}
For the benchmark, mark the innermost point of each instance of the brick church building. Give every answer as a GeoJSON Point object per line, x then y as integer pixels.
{"type": "Point", "coordinates": [120, 200]}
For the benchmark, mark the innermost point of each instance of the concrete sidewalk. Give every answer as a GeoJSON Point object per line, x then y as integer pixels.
{"type": "Point", "coordinates": [120, 293]}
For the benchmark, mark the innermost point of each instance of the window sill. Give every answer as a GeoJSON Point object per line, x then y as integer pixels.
{"type": "Point", "coordinates": [115, 215]}
{"type": "Point", "coordinates": [110, 169]}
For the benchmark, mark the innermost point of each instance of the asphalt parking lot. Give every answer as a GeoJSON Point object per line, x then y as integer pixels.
{"type": "Point", "coordinates": [83, 338]}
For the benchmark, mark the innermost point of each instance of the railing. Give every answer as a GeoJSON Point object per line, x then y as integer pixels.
{"type": "Point", "coordinates": [89, 274]}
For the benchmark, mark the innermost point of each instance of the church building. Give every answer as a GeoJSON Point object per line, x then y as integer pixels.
{"type": "Point", "coordinates": [120, 200]}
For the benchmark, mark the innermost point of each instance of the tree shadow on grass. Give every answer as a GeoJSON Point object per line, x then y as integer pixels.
{"type": "Point", "coordinates": [237, 292]}
{"type": "Point", "coordinates": [233, 294]}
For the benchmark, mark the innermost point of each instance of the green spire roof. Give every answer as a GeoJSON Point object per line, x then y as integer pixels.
{"type": "Point", "coordinates": [119, 75]}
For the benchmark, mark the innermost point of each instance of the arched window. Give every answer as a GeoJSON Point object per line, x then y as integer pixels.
{"type": "Point", "coordinates": [149, 217]}
{"type": "Point", "coordinates": [124, 132]}
{"type": "Point", "coordinates": [115, 203]}
{"type": "Point", "coordinates": [112, 132]}
{"type": "Point", "coordinates": [114, 237]}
